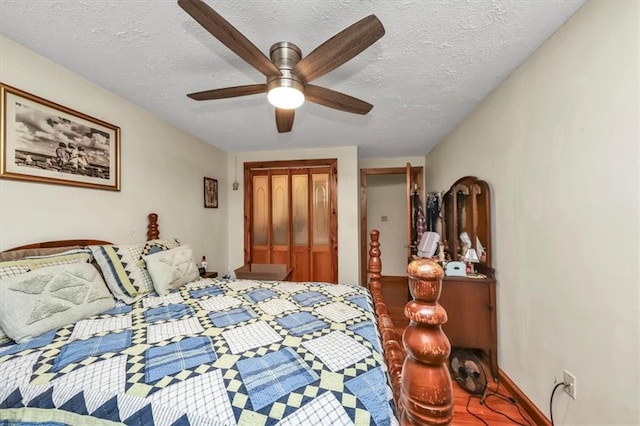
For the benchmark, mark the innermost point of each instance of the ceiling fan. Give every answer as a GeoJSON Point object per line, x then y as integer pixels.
{"type": "Point", "coordinates": [288, 73]}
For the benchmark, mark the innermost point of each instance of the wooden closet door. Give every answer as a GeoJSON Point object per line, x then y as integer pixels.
{"type": "Point", "coordinates": [270, 242]}
{"type": "Point", "coordinates": [291, 220]}
{"type": "Point", "coordinates": [260, 217]}
{"type": "Point", "coordinates": [301, 225]}
{"type": "Point", "coordinates": [280, 218]}
{"type": "Point", "coordinates": [321, 241]}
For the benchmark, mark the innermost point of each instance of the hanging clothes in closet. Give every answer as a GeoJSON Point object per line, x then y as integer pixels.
{"type": "Point", "coordinates": [433, 210]}
{"type": "Point", "coordinates": [418, 222]}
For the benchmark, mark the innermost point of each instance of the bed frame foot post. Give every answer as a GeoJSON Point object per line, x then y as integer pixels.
{"type": "Point", "coordinates": [426, 394]}
{"type": "Point", "coordinates": [153, 233]}
{"type": "Point", "coordinates": [393, 351]}
{"type": "Point", "coordinates": [375, 264]}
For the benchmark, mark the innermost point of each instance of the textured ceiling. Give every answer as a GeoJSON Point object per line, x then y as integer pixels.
{"type": "Point", "coordinates": [436, 62]}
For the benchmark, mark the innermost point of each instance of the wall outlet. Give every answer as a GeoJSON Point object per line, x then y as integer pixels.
{"type": "Point", "coordinates": [569, 384]}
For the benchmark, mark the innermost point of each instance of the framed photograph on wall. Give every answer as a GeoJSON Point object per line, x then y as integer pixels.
{"type": "Point", "coordinates": [42, 141]}
{"type": "Point", "coordinates": [210, 193]}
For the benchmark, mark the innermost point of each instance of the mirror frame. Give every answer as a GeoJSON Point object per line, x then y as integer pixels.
{"type": "Point", "coordinates": [478, 214]}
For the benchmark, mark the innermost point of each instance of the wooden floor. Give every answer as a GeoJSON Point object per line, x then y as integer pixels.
{"type": "Point", "coordinates": [506, 412]}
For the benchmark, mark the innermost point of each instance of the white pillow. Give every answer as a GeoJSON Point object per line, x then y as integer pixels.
{"type": "Point", "coordinates": [48, 298]}
{"type": "Point", "coordinates": [171, 269]}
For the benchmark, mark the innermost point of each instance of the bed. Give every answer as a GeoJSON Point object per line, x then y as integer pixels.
{"type": "Point", "coordinates": [213, 351]}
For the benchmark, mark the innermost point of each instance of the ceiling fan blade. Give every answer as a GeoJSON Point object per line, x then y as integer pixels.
{"type": "Point", "coordinates": [228, 92]}
{"type": "Point", "coordinates": [229, 36]}
{"type": "Point", "coordinates": [340, 48]}
{"type": "Point", "coordinates": [284, 119]}
{"type": "Point", "coordinates": [336, 100]}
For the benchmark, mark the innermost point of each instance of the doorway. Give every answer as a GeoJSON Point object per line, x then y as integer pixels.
{"type": "Point", "coordinates": [406, 180]}
{"type": "Point", "coordinates": [291, 217]}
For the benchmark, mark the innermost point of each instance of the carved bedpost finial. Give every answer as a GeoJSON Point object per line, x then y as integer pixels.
{"type": "Point", "coordinates": [153, 233]}
{"type": "Point", "coordinates": [426, 394]}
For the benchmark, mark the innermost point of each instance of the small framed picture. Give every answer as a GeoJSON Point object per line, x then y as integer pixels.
{"type": "Point", "coordinates": [210, 193]}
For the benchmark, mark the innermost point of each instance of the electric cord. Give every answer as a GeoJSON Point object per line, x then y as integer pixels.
{"type": "Point", "coordinates": [474, 414]}
{"type": "Point", "coordinates": [496, 394]}
{"type": "Point", "coordinates": [551, 400]}
{"type": "Point", "coordinates": [486, 403]}
{"type": "Point", "coordinates": [487, 392]}
{"type": "Point", "coordinates": [512, 401]}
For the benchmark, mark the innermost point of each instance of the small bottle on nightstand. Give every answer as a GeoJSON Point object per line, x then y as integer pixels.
{"type": "Point", "coordinates": [203, 264]}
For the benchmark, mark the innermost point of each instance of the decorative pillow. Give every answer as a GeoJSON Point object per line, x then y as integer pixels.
{"type": "Point", "coordinates": [48, 298]}
{"type": "Point", "coordinates": [124, 269]}
{"type": "Point", "coordinates": [22, 253]}
{"type": "Point", "coordinates": [171, 269]}
{"type": "Point", "coordinates": [13, 267]}
{"type": "Point", "coordinates": [79, 255]}
{"type": "Point", "coordinates": [40, 258]}
{"type": "Point", "coordinates": [10, 269]}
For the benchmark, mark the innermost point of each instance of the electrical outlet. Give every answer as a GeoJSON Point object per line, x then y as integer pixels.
{"type": "Point", "coordinates": [569, 384]}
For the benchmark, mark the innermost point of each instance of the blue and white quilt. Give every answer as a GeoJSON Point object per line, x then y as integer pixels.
{"type": "Point", "coordinates": [214, 352]}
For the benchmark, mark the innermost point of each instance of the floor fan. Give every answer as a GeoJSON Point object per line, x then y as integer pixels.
{"type": "Point", "coordinates": [468, 371]}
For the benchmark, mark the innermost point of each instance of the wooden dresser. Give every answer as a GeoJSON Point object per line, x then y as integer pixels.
{"type": "Point", "coordinates": [470, 302]}
{"type": "Point", "coordinates": [471, 308]}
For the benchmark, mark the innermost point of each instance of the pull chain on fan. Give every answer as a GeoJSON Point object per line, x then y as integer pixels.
{"type": "Point", "coordinates": [288, 73]}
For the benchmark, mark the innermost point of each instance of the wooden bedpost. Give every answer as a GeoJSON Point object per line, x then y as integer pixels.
{"type": "Point", "coordinates": [426, 394]}
{"type": "Point", "coordinates": [393, 352]}
{"type": "Point", "coordinates": [153, 233]}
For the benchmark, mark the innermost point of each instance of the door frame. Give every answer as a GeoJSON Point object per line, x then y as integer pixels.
{"type": "Point", "coordinates": [332, 163]}
{"type": "Point", "coordinates": [364, 234]}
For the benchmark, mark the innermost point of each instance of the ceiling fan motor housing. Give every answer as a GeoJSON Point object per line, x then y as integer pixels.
{"type": "Point", "coordinates": [285, 56]}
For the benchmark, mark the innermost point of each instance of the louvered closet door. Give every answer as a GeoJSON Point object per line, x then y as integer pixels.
{"type": "Point", "coordinates": [292, 218]}
{"type": "Point", "coordinates": [300, 212]}
{"type": "Point", "coordinates": [321, 244]}
{"type": "Point", "coordinates": [261, 218]}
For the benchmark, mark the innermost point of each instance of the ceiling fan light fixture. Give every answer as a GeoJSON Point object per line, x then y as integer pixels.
{"type": "Point", "coordinates": [285, 91]}
{"type": "Point", "coordinates": [285, 97]}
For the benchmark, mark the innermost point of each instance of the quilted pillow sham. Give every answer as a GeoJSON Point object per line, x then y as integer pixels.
{"type": "Point", "coordinates": [22, 253]}
{"type": "Point", "coordinates": [9, 269]}
{"type": "Point", "coordinates": [78, 255]}
{"type": "Point", "coordinates": [47, 257]}
{"type": "Point", "coordinates": [124, 269]}
{"type": "Point", "coordinates": [171, 269]}
{"type": "Point", "coordinates": [26, 264]}
{"type": "Point", "coordinates": [48, 298]}
{"type": "Point", "coordinates": [13, 267]}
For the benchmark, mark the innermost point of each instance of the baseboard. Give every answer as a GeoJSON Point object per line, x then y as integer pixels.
{"type": "Point", "coordinates": [529, 407]}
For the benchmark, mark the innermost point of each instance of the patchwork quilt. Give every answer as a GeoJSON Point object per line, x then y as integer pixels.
{"type": "Point", "coordinates": [214, 352]}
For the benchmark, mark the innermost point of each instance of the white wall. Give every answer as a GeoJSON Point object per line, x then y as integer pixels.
{"type": "Point", "coordinates": [558, 143]}
{"type": "Point", "coordinates": [348, 203]}
{"type": "Point", "coordinates": [387, 196]}
{"type": "Point", "coordinates": [162, 171]}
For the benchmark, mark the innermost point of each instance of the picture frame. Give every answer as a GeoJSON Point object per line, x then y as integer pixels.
{"type": "Point", "coordinates": [210, 193]}
{"type": "Point", "coordinates": [42, 141]}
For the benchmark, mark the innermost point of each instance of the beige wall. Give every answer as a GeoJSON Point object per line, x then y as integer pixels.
{"type": "Point", "coordinates": [558, 143]}
{"type": "Point", "coordinates": [162, 171]}
{"type": "Point", "coordinates": [348, 203]}
{"type": "Point", "coordinates": [387, 196]}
